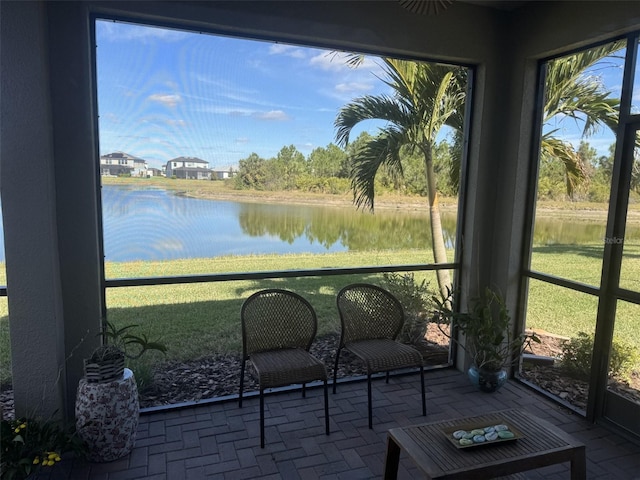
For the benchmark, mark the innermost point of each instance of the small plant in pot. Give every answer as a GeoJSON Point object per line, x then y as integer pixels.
{"type": "Point", "coordinates": [107, 404]}
{"type": "Point", "coordinates": [107, 361]}
{"type": "Point", "coordinates": [489, 339]}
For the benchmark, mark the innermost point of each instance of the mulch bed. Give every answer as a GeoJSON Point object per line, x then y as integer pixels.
{"type": "Point", "coordinates": [218, 376]}
{"type": "Point", "coordinates": [557, 382]}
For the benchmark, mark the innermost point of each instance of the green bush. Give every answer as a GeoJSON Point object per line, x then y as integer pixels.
{"type": "Point", "coordinates": [416, 301]}
{"type": "Point", "coordinates": [577, 353]}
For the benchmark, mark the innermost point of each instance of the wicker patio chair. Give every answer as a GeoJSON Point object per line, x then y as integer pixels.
{"type": "Point", "coordinates": [278, 328]}
{"type": "Point", "coordinates": [371, 319]}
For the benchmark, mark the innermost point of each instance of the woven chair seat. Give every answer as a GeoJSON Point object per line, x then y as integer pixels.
{"type": "Point", "coordinates": [278, 368]}
{"type": "Point", "coordinates": [382, 355]}
{"type": "Point", "coordinates": [371, 318]}
{"type": "Point", "coordinates": [278, 327]}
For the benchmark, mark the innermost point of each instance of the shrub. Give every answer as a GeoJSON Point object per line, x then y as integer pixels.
{"type": "Point", "coordinates": [416, 302]}
{"type": "Point", "coordinates": [577, 353]}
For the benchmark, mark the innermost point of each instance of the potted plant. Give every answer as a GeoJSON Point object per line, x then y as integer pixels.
{"type": "Point", "coordinates": [107, 404]}
{"type": "Point", "coordinates": [107, 361]}
{"type": "Point", "coordinates": [489, 339]}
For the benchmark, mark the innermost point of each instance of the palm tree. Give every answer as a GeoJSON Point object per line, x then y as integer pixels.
{"type": "Point", "coordinates": [426, 97]}
{"type": "Point", "coordinates": [571, 94]}
{"type": "Point", "coordinates": [429, 96]}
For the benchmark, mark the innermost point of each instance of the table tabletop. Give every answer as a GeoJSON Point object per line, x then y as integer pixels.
{"type": "Point", "coordinates": [541, 444]}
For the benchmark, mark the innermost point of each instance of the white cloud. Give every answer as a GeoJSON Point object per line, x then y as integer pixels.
{"type": "Point", "coordinates": [168, 100]}
{"type": "Point", "coordinates": [176, 123]}
{"type": "Point", "coordinates": [272, 115]}
{"type": "Point", "coordinates": [329, 61]}
{"type": "Point", "coordinates": [288, 50]}
{"type": "Point", "coordinates": [242, 140]}
{"type": "Point", "coordinates": [338, 61]}
{"type": "Point", "coordinates": [353, 87]}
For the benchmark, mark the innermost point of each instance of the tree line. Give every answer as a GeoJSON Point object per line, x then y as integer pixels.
{"type": "Point", "coordinates": [328, 170]}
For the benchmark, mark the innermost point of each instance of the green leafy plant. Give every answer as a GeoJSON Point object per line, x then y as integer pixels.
{"type": "Point", "coordinates": [415, 298]}
{"type": "Point", "coordinates": [132, 346]}
{"type": "Point", "coordinates": [486, 325]}
{"type": "Point", "coordinates": [106, 363]}
{"type": "Point", "coordinates": [31, 444]}
{"type": "Point", "coordinates": [577, 352]}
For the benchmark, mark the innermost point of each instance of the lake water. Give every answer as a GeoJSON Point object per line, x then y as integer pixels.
{"type": "Point", "coordinates": [154, 224]}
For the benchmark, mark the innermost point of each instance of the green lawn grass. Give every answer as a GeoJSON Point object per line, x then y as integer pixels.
{"type": "Point", "coordinates": [200, 319]}
{"type": "Point", "coordinates": [565, 312]}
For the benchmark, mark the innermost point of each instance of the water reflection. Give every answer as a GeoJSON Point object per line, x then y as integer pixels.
{"type": "Point", "coordinates": [153, 224]}
{"type": "Point", "coordinates": [331, 226]}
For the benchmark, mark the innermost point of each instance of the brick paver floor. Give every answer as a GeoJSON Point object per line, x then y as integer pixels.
{"type": "Point", "coordinates": [220, 441]}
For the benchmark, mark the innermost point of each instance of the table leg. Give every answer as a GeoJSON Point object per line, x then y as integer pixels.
{"type": "Point", "coordinates": [392, 460]}
{"type": "Point", "coordinates": [579, 464]}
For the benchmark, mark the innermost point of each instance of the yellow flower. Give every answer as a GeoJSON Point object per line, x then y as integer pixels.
{"type": "Point", "coordinates": [17, 429]}
{"type": "Point", "coordinates": [52, 455]}
{"type": "Point", "coordinates": [23, 426]}
{"type": "Point", "coordinates": [36, 460]}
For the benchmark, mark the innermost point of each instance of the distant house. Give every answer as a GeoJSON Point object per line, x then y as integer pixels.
{"type": "Point", "coordinates": [154, 172]}
{"type": "Point", "coordinates": [120, 163]}
{"type": "Point", "coordinates": [188, 168]}
{"type": "Point", "coordinates": [223, 173]}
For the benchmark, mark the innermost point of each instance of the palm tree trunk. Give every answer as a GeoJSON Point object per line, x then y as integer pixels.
{"type": "Point", "coordinates": [437, 238]}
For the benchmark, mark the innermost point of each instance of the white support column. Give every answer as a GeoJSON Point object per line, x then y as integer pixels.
{"type": "Point", "coordinates": [49, 201]}
{"type": "Point", "coordinates": [29, 212]}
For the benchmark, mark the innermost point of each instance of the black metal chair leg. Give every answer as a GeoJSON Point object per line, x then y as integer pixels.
{"type": "Point", "coordinates": [424, 398]}
{"type": "Point", "coordinates": [261, 417]}
{"type": "Point", "coordinates": [326, 406]}
{"type": "Point", "coordinates": [387, 377]}
{"type": "Point", "coordinates": [335, 369]}
{"type": "Point", "coordinates": [369, 400]}
{"type": "Point", "coordinates": [241, 383]}
{"type": "Point", "coordinates": [304, 390]}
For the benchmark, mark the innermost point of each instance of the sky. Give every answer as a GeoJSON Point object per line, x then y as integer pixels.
{"type": "Point", "coordinates": [166, 93]}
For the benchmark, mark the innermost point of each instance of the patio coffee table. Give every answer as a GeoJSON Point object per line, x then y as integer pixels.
{"type": "Point", "coordinates": [428, 445]}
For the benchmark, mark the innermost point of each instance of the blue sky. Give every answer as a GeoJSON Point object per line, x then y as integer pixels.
{"type": "Point", "coordinates": [164, 94]}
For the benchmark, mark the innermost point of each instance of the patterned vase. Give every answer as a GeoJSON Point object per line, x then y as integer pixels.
{"type": "Point", "coordinates": [107, 417]}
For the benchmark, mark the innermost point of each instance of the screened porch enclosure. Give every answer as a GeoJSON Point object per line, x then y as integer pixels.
{"type": "Point", "coordinates": [56, 278]}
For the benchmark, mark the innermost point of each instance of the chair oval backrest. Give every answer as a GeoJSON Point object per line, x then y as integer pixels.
{"type": "Point", "coordinates": [368, 312]}
{"type": "Point", "coordinates": [273, 319]}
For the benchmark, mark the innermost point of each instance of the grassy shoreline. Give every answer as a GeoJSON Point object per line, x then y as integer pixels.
{"type": "Point", "coordinates": [220, 190]}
